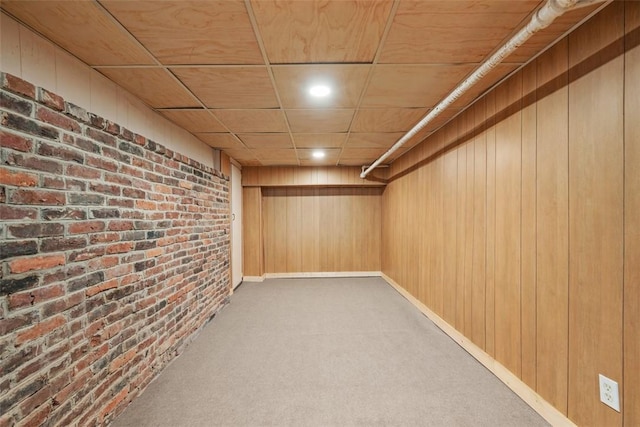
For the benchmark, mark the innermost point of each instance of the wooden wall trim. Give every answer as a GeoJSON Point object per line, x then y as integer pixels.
{"type": "Point", "coordinates": [329, 176]}
{"type": "Point", "coordinates": [531, 398]}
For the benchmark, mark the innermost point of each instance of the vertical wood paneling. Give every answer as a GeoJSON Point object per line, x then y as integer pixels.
{"type": "Point", "coordinates": [528, 227]}
{"type": "Point", "coordinates": [508, 208]}
{"type": "Point", "coordinates": [491, 225]}
{"type": "Point", "coordinates": [595, 213]}
{"type": "Point", "coordinates": [321, 229]}
{"type": "Point", "coordinates": [539, 208]}
{"type": "Point", "coordinates": [479, 227]}
{"type": "Point", "coordinates": [436, 258]}
{"type": "Point", "coordinates": [461, 205]}
{"type": "Point", "coordinates": [632, 217]}
{"type": "Point", "coordinates": [552, 216]}
{"type": "Point", "coordinates": [468, 225]}
{"type": "Point", "coordinates": [450, 188]}
{"type": "Point", "coordinates": [252, 231]}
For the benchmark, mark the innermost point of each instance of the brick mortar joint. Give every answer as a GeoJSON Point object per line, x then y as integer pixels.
{"type": "Point", "coordinates": [88, 119]}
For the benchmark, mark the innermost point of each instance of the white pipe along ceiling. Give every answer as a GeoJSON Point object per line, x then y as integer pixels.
{"type": "Point", "coordinates": [541, 19]}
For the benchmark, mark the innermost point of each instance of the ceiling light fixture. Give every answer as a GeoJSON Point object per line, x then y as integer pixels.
{"type": "Point", "coordinates": [320, 91]}
{"type": "Point", "coordinates": [318, 154]}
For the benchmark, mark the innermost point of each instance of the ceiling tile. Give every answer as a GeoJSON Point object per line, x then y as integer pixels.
{"type": "Point", "coordinates": [451, 31]}
{"type": "Point", "coordinates": [194, 120]}
{"type": "Point", "coordinates": [307, 159]}
{"type": "Point", "coordinates": [297, 31]}
{"type": "Point", "coordinates": [243, 155]}
{"type": "Point", "coordinates": [230, 87]}
{"type": "Point", "coordinates": [191, 32]}
{"type": "Point", "coordinates": [103, 42]}
{"type": "Point", "coordinates": [319, 121]}
{"type": "Point", "coordinates": [249, 121]}
{"type": "Point", "coordinates": [266, 140]}
{"type": "Point", "coordinates": [220, 140]}
{"type": "Point", "coordinates": [345, 81]}
{"type": "Point", "coordinates": [387, 120]}
{"type": "Point", "coordinates": [365, 154]}
{"type": "Point", "coordinates": [278, 162]}
{"type": "Point", "coordinates": [286, 156]}
{"type": "Point", "coordinates": [412, 85]}
{"type": "Point", "coordinates": [155, 86]}
{"type": "Point", "coordinates": [373, 140]}
{"type": "Point", "coordinates": [319, 140]}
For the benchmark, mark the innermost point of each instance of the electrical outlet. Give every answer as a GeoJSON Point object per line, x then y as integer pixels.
{"type": "Point", "coordinates": [609, 392]}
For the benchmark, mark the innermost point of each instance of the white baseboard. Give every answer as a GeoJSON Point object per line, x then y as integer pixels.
{"type": "Point", "coordinates": [303, 275]}
{"type": "Point", "coordinates": [533, 399]}
{"type": "Point", "coordinates": [253, 278]}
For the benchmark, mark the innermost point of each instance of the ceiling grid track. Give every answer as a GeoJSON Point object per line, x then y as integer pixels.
{"type": "Point", "coordinates": [160, 66]}
{"type": "Point", "coordinates": [265, 57]}
{"type": "Point", "coordinates": [374, 63]}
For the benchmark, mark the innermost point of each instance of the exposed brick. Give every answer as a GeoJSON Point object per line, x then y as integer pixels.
{"type": "Point", "coordinates": [20, 393]}
{"type": "Point", "coordinates": [18, 248]}
{"type": "Point", "coordinates": [36, 296]}
{"type": "Point", "coordinates": [116, 155]}
{"type": "Point", "coordinates": [19, 105]}
{"type": "Point", "coordinates": [10, 212]}
{"type": "Point", "coordinates": [86, 199]}
{"type": "Point", "coordinates": [63, 213]}
{"type": "Point", "coordinates": [76, 112]}
{"type": "Point", "coordinates": [112, 190]}
{"type": "Point", "coordinates": [40, 329]}
{"type": "Point", "coordinates": [15, 142]}
{"type": "Point", "coordinates": [119, 248]}
{"type": "Point", "coordinates": [35, 230]}
{"type": "Point", "coordinates": [85, 282]}
{"type": "Point", "coordinates": [112, 128]}
{"type": "Point", "coordinates": [134, 193]}
{"type": "Point", "coordinates": [17, 85]}
{"type": "Point", "coordinates": [37, 197]}
{"type": "Point", "coordinates": [110, 284]}
{"type": "Point", "coordinates": [84, 255]}
{"type": "Point", "coordinates": [145, 205]}
{"type": "Point", "coordinates": [83, 144]}
{"type": "Point", "coordinates": [100, 136]}
{"type": "Point", "coordinates": [104, 164]}
{"type": "Point", "coordinates": [96, 121]}
{"type": "Point", "coordinates": [59, 152]}
{"type": "Point", "coordinates": [35, 163]}
{"type": "Point", "coordinates": [83, 172]}
{"type": "Point", "coordinates": [105, 213]}
{"type": "Point", "coordinates": [18, 179]}
{"type": "Point", "coordinates": [50, 99]}
{"type": "Point", "coordinates": [147, 241]}
{"type": "Point", "coordinates": [14, 121]}
{"type": "Point", "coordinates": [120, 225]}
{"type": "Point", "coordinates": [86, 227]}
{"type": "Point", "coordinates": [62, 244]}
{"type": "Point", "coordinates": [23, 265]}
{"type": "Point", "coordinates": [56, 119]}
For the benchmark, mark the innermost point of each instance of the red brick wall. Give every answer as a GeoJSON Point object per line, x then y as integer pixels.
{"type": "Point", "coordinates": [114, 251]}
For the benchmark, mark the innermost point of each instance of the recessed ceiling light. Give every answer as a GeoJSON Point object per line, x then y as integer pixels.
{"type": "Point", "coordinates": [320, 91]}
{"type": "Point", "coordinates": [318, 154]}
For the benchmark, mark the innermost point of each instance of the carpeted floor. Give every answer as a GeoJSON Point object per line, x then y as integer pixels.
{"type": "Point", "coordinates": [325, 352]}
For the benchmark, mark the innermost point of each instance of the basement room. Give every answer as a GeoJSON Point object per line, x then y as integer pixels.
{"type": "Point", "coordinates": [319, 213]}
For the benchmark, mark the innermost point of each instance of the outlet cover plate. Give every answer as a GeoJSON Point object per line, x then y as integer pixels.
{"type": "Point", "coordinates": [609, 392]}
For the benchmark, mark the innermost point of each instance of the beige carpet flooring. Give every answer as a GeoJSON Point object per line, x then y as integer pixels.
{"type": "Point", "coordinates": [325, 352]}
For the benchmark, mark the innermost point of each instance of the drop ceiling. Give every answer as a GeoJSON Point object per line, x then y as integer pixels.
{"type": "Point", "coordinates": [236, 74]}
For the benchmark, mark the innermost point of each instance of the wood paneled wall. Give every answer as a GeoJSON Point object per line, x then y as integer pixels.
{"type": "Point", "coordinates": [321, 229]}
{"type": "Point", "coordinates": [519, 222]}
{"type": "Point", "coordinates": [278, 176]}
